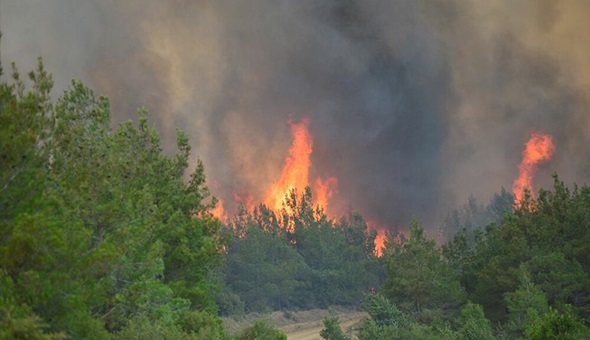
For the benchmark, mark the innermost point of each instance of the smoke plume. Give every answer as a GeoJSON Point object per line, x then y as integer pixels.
{"type": "Point", "coordinates": [413, 105]}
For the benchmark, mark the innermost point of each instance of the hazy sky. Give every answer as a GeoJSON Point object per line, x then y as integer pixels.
{"type": "Point", "coordinates": [413, 105]}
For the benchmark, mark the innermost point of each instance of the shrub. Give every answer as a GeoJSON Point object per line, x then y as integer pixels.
{"type": "Point", "coordinates": [261, 330]}
{"type": "Point", "coordinates": [332, 329]}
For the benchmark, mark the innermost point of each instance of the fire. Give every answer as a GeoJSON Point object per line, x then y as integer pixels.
{"type": "Point", "coordinates": [219, 211]}
{"type": "Point", "coordinates": [295, 173]}
{"type": "Point", "coordinates": [380, 238]}
{"type": "Point", "coordinates": [539, 148]}
{"type": "Point", "coordinates": [323, 191]}
{"type": "Point", "coordinates": [245, 198]}
{"type": "Point", "coordinates": [380, 242]}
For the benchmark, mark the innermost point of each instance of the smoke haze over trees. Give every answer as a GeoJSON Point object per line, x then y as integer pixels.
{"type": "Point", "coordinates": [106, 236]}
{"type": "Point", "coordinates": [414, 105]}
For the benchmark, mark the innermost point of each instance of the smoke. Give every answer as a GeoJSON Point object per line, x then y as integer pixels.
{"type": "Point", "coordinates": [413, 105]}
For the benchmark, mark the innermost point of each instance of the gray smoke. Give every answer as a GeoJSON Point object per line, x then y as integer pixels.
{"type": "Point", "coordinates": [413, 105]}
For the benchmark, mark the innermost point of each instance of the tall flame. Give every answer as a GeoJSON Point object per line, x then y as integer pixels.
{"type": "Point", "coordinates": [219, 211]}
{"type": "Point", "coordinates": [245, 198]}
{"type": "Point", "coordinates": [323, 191]}
{"type": "Point", "coordinates": [380, 238]}
{"type": "Point", "coordinates": [539, 148]}
{"type": "Point", "coordinates": [380, 242]}
{"type": "Point", "coordinates": [295, 171]}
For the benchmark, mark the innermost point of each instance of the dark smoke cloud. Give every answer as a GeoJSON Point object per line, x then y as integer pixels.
{"type": "Point", "coordinates": [414, 105]}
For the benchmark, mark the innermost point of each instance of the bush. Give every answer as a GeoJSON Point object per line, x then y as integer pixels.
{"type": "Point", "coordinates": [229, 303]}
{"type": "Point", "coordinates": [27, 325]}
{"type": "Point", "coordinates": [205, 325]}
{"type": "Point", "coordinates": [473, 323]}
{"type": "Point", "coordinates": [370, 330]}
{"type": "Point", "coordinates": [143, 328]}
{"type": "Point", "coordinates": [261, 330]}
{"type": "Point", "coordinates": [332, 329]}
{"type": "Point", "coordinates": [384, 312]}
{"type": "Point", "coordinates": [386, 319]}
{"type": "Point", "coordinates": [555, 325]}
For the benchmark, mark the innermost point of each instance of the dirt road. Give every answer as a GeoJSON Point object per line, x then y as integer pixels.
{"type": "Point", "coordinates": [311, 330]}
{"type": "Point", "coordinates": [299, 325]}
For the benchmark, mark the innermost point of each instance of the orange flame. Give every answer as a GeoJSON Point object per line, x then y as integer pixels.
{"type": "Point", "coordinates": [245, 198]}
{"type": "Point", "coordinates": [380, 238]}
{"type": "Point", "coordinates": [323, 191]}
{"type": "Point", "coordinates": [380, 242]}
{"type": "Point", "coordinates": [296, 169]}
{"type": "Point", "coordinates": [219, 211]}
{"type": "Point", "coordinates": [539, 148]}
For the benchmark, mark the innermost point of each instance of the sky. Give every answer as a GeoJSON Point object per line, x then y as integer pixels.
{"type": "Point", "coordinates": [413, 105]}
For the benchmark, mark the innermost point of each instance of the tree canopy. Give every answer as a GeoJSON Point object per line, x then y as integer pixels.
{"type": "Point", "coordinates": [100, 229]}
{"type": "Point", "coordinates": [106, 236]}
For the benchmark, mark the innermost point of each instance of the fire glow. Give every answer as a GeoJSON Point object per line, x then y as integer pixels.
{"type": "Point", "coordinates": [538, 149]}
{"type": "Point", "coordinates": [380, 242]}
{"type": "Point", "coordinates": [219, 211]}
{"type": "Point", "coordinates": [295, 175]}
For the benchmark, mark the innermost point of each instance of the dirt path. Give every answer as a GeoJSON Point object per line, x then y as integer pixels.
{"type": "Point", "coordinates": [299, 325]}
{"type": "Point", "coordinates": [311, 330]}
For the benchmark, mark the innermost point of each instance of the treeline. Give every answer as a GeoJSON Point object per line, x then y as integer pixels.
{"type": "Point", "coordinates": [102, 236]}
{"type": "Point", "coordinates": [527, 277]}
{"type": "Point", "coordinates": [296, 259]}
{"type": "Point", "coordinates": [105, 236]}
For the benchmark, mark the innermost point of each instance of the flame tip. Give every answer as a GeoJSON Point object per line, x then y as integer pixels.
{"type": "Point", "coordinates": [538, 148]}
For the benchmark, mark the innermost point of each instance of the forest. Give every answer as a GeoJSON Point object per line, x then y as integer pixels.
{"type": "Point", "coordinates": [106, 236]}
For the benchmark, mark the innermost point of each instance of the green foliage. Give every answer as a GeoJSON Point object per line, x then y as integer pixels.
{"type": "Point", "coordinates": [528, 298]}
{"type": "Point", "coordinates": [102, 235]}
{"type": "Point", "coordinates": [20, 322]}
{"type": "Point", "coordinates": [545, 235]}
{"type": "Point", "coordinates": [24, 124]}
{"type": "Point", "coordinates": [555, 325]}
{"type": "Point", "coordinates": [420, 280]}
{"type": "Point", "coordinates": [144, 328]}
{"type": "Point", "coordinates": [230, 303]}
{"type": "Point", "coordinates": [435, 331]}
{"type": "Point", "coordinates": [203, 324]}
{"type": "Point", "coordinates": [370, 330]}
{"type": "Point", "coordinates": [473, 323]}
{"type": "Point", "coordinates": [563, 280]}
{"type": "Point", "coordinates": [263, 271]}
{"type": "Point", "coordinates": [101, 232]}
{"type": "Point", "coordinates": [534, 260]}
{"type": "Point", "coordinates": [386, 321]}
{"type": "Point", "coordinates": [332, 329]}
{"type": "Point", "coordinates": [297, 260]}
{"type": "Point", "coordinates": [383, 312]}
{"type": "Point", "coordinates": [261, 330]}
{"type": "Point", "coordinates": [195, 325]}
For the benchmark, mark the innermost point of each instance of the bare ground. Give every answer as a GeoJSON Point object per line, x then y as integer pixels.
{"type": "Point", "coordinates": [301, 325]}
{"type": "Point", "coordinates": [348, 322]}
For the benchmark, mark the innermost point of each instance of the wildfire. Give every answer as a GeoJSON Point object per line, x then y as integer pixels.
{"type": "Point", "coordinates": [323, 190]}
{"type": "Point", "coordinates": [539, 148]}
{"type": "Point", "coordinates": [380, 242]}
{"type": "Point", "coordinates": [219, 211]}
{"type": "Point", "coordinates": [295, 173]}
{"type": "Point", "coordinates": [245, 198]}
{"type": "Point", "coordinates": [380, 238]}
